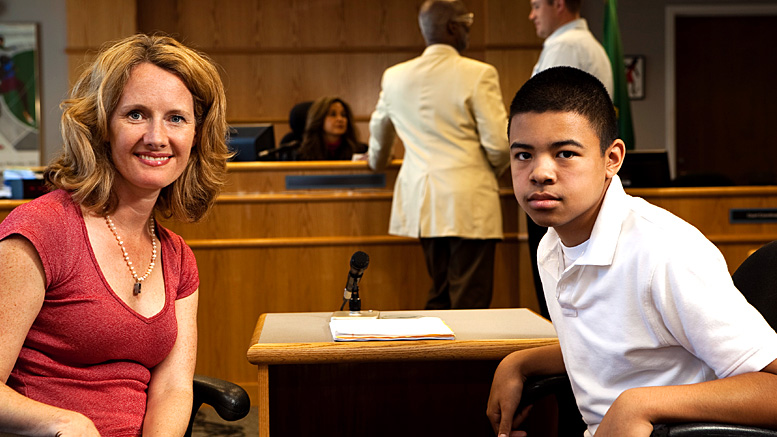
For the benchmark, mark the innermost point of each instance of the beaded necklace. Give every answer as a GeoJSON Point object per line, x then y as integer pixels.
{"type": "Point", "coordinates": [138, 280]}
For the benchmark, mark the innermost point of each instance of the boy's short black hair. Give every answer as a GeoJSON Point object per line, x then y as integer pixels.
{"type": "Point", "coordinates": [568, 89]}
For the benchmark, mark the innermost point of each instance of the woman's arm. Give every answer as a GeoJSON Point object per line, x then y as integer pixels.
{"type": "Point", "coordinates": [170, 390]}
{"type": "Point", "coordinates": [22, 290]}
{"type": "Point", "coordinates": [746, 399]}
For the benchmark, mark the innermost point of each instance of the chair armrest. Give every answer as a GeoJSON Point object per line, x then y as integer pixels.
{"type": "Point", "coordinates": [230, 401]}
{"type": "Point", "coordinates": [709, 430]}
{"type": "Point", "coordinates": [569, 422]}
{"type": "Point", "coordinates": [537, 387]}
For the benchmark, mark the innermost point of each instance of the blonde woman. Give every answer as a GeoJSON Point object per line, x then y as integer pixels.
{"type": "Point", "coordinates": [97, 301]}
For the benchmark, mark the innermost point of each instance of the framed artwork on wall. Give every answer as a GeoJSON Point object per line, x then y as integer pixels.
{"type": "Point", "coordinates": [20, 136]}
{"type": "Point", "coordinates": [635, 76]}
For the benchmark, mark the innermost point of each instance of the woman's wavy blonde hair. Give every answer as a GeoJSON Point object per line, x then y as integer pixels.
{"type": "Point", "coordinates": [84, 167]}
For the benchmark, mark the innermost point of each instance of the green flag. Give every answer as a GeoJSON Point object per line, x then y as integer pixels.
{"type": "Point", "coordinates": [614, 49]}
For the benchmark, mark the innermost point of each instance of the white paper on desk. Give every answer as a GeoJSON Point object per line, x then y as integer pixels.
{"type": "Point", "coordinates": [420, 328]}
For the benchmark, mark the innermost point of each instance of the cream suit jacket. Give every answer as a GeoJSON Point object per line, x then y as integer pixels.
{"type": "Point", "coordinates": [448, 111]}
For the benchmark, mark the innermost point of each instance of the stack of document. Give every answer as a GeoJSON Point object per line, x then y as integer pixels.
{"type": "Point", "coordinates": [416, 328]}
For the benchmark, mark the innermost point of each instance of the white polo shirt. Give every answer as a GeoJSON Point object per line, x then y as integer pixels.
{"type": "Point", "coordinates": [649, 303]}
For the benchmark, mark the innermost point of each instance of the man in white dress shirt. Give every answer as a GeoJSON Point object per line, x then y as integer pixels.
{"type": "Point", "coordinates": [568, 43]}
{"type": "Point", "coordinates": [448, 111]}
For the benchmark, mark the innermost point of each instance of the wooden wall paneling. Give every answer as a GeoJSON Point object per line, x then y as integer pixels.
{"type": "Point", "coordinates": [364, 73]}
{"type": "Point", "coordinates": [285, 251]}
{"type": "Point", "coordinates": [274, 25]}
{"type": "Point", "coordinates": [515, 67]}
{"type": "Point", "coordinates": [7, 205]}
{"type": "Point", "coordinates": [311, 277]}
{"type": "Point", "coordinates": [508, 24]}
{"type": "Point", "coordinates": [224, 24]}
{"type": "Point", "coordinates": [154, 16]}
{"type": "Point", "coordinates": [259, 87]}
{"type": "Point", "coordinates": [90, 23]}
{"type": "Point", "coordinates": [248, 282]}
{"type": "Point", "coordinates": [291, 220]}
{"type": "Point", "coordinates": [77, 63]}
{"type": "Point", "coordinates": [507, 275]}
{"type": "Point", "coordinates": [269, 177]}
{"type": "Point", "coordinates": [360, 24]}
{"type": "Point", "coordinates": [275, 54]}
{"type": "Point", "coordinates": [708, 210]}
{"type": "Point", "coordinates": [267, 86]}
{"type": "Point", "coordinates": [527, 295]}
{"type": "Point", "coordinates": [363, 129]}
{"type": "Point", "coordinates": [512, 45]}
{"type": "Point", "coordinates": [245, 283]}
{"type": "Point", "coordinates": [479, 29]}
{"type": "Point", "coordinates": [383, 23]}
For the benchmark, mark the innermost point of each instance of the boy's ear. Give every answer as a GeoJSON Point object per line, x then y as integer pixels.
{"type": "Point", "coordinates": [613, 158]}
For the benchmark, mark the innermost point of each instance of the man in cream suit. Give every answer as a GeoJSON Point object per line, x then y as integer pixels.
{"type": "Point", "coordinates": [448, 112]}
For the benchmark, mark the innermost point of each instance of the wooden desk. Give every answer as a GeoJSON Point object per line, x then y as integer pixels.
{"type": "Point", "coordinates": [309, 385]}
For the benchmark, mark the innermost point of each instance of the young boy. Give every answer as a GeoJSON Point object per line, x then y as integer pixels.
{"type": "Point", "coordinates": [651, 328]}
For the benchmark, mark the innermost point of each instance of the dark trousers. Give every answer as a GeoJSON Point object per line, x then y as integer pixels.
{"type": "Point", "coordinates": [536, 232]}
{"type": "Point", "coordinates": [462, 272]}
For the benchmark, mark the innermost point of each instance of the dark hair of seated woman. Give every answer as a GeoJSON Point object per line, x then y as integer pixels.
{"type": "Point", "coordinates": [329, 132]}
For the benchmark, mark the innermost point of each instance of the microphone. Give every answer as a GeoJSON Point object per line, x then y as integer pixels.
{"type": "Point", "coordinates": [359, 263]}
{"type": "Point", "coordinates": [274, 154]}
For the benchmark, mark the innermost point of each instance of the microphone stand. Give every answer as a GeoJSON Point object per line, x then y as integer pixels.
{"type": "Point", "coordinates": [359, 263]}
{"type": "Point", "coordinates": [354, 303]}
{"type": "Point", "coordinates": [354, 308]}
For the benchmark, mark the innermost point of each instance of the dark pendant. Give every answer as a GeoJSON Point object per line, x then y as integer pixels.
{"type": "Point", "coordinates": [136, 289]}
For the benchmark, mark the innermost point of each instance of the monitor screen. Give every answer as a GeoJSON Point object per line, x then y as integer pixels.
{"type": "Point", "coordinates": [645, 169]}
{"type": "Point", "coordinates": [248, 140]}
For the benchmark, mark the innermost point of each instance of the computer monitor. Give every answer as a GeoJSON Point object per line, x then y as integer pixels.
{"type": "Point", "coordinates": [645, 169]}
{"type": "Point", "coordinates": [249, 140]}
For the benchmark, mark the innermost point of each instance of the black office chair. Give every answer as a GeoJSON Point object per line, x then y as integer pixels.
{"type": "Point", "coordinates": [230, 401]}
{"type": "Point", "coordinates": [756, 278]}
{"type": "Point", "coordinates": [297, 118]}
{"type": "Point", "coordinates": [287, 148]}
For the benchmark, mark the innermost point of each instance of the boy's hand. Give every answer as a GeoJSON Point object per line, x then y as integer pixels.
{"type": "Point", "coordinates": [626, 417]}
{"type": "Point", "coordinates": [507, 387]}
{"type": "Point", "coordinates": [505, 396]}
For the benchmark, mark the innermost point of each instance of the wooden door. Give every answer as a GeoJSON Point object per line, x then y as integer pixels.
{"type": "Point", "coordinates": [726, 98]}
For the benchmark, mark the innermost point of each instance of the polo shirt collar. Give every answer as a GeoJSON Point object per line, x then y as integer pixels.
{"type": "Point", "coordinates": [607, 229]}
{"type": "Point", "coordinates": [604, 236]}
